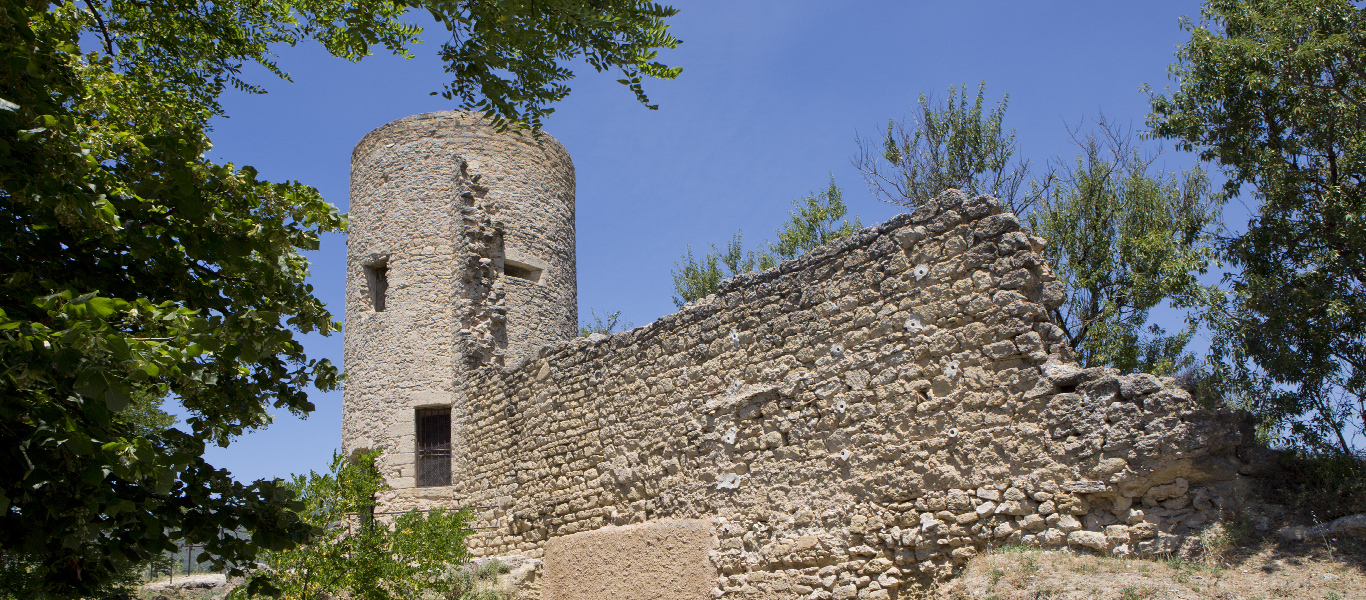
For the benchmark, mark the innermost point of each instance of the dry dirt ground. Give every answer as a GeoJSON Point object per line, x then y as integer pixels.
{"type": "Point", "coordinates": [208, 586]}
{"type": "Point", "coordinates": [1255, 570]}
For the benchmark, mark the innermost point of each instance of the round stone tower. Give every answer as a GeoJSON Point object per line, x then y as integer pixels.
{"type": "Point", "coordinates": [460, 256]}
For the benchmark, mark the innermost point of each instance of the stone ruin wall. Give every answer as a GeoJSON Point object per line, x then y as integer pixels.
{"type": "Point", "coordinates": [873, 413]}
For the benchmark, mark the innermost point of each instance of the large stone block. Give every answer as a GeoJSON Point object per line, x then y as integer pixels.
{"type": "Point", "coordinates": [659, 560]}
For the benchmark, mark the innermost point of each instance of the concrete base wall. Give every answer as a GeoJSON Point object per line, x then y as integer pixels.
{"type": "Point", "coordinates": [656, 560]}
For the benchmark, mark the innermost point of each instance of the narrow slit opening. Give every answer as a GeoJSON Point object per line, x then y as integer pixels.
{"type": "Point", "coordinates": [377, 279]}
{"type": "Point", "coordinates": [512, 268]}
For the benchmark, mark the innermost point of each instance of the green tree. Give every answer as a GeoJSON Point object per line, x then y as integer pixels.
{"type": "Point", "coordinates": [132, 268]}
{"type": "Point", "coordinates": [19, 571]}
{"type": "Point", "coordinates": [1122, 238]}
{"type": "Point", "coordinates": [696, 278]}
{"type": "Point", "coordinates": [358, 554]}
{"type": "Point", "coordinates": [1275, 92]}
{"type": "Point", "coordinates": [606, 325]}
{"type": "Point", "coordinates": [815, 219]}
{"type": "Point", "coordinates": [951, 144]}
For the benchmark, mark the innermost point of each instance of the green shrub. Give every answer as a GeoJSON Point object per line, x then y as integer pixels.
{"type": "Point", "coordinates": [359, 554]}
{"type": "Point", "coordinates": [1322, 486]}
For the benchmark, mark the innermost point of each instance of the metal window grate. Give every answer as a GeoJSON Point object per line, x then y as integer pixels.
{"type": "Point", "coordinates": [433, 447]}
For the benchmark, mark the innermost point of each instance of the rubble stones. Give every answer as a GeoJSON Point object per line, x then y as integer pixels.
{"type": "Point", "coordinates": [1352, 525]}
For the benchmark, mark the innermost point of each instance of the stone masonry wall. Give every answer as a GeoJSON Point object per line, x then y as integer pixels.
{"type": "Point", "coordinates": [439, 203]}
{"type": "Point", "coordinates": [874, 412]}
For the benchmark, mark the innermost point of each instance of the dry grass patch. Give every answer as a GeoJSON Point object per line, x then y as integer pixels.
{"type": "Point", "coordinates": [1325, 570]}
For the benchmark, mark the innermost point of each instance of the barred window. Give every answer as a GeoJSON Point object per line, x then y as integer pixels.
{"type": "Point", "coordinates": [433, 447]}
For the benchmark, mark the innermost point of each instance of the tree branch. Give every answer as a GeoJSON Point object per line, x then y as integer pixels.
{"type": "Point", "coordinates": [104, 31]}
{"type": "Point", "coordinates": [212, 273]}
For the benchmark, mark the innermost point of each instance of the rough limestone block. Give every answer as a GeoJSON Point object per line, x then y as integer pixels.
{"type": "Point", "coordinates": [1085, 487]}
{"type": "Point", "coordinates": [656, 560]}
{"type": "Point", "coordinates": [1094, 540]}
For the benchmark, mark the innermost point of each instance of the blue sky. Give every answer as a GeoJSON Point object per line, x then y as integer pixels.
{"type": "Point", "coordinates": [767, 108]}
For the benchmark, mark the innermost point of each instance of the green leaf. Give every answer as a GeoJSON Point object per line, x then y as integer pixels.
{"type": "Point", "coordinates": [1266, 90]}
{"type": "Point", "coordinates": [116, 396]}
{"type": "Point", "coordinates": [92, 385]}
{"type": "Point", "coordinates": [118, 347]}
{"type": "Point", "coordinates": [102, 308]}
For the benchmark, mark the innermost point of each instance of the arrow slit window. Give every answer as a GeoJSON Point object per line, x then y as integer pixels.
{"type": "Point", "coordinates": [377, 279]}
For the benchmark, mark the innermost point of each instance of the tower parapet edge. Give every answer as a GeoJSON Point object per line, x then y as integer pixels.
{"type": "Point", "coordinates": [460, 255]}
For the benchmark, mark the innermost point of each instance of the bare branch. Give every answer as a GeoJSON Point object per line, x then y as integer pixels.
{"type": "Point", "coordinates": [104, 31]}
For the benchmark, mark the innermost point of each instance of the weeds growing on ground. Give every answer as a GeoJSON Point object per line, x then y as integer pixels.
{"type": "Point", "coordinates": [1086, 567]}
{"type": "Point", "coordinates": [1216, 541]}
{"type": "Point", "coordinates": [1014, 548]}
{"type": "Point", "coordinates": [1186, 566]}
{"type": "Point", "coordinates": [479, 582]}
{"type": "Point", "coordinates": [1283, 590]}
{"type": "Point", "coordinates": [996, 575]}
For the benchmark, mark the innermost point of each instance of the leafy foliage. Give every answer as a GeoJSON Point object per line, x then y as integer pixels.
{"type": "Point", "coordinates": [815, 219]}
{"type": "Point", "coordinates": [146, 416]}
{"type": "Point", "coordinates": [951, 144]}
{"type": "Point", "coordinates": [360, 554]}
{"type": "Point", "coordinates": [531, 41]}
{"type": "Point", "coordinates": [1275, 92]}
{"type": "Point", "coordinates": [1321, 486]}
{"type": "Point", "coordinates": [20, 573]}
{"type": "Point", "coordinates": [136, 269]}
{"type": "Point", "coordinates": [696, 278]}
{"type": "Point", "coordinates": [1123, 238]}
{"type": "Point", "coordinates": [133, 269]}
{"type": "Point", "coordinates": [606, 325]}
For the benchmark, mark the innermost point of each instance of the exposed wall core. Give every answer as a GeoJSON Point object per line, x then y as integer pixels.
{"type": "Point", "coordinates": [874, 412]}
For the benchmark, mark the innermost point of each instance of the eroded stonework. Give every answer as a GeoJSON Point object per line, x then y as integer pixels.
{"type": "Point", "coordinates": [867, 415]}
{"type": "Point", "coordinates": [441, 203]}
